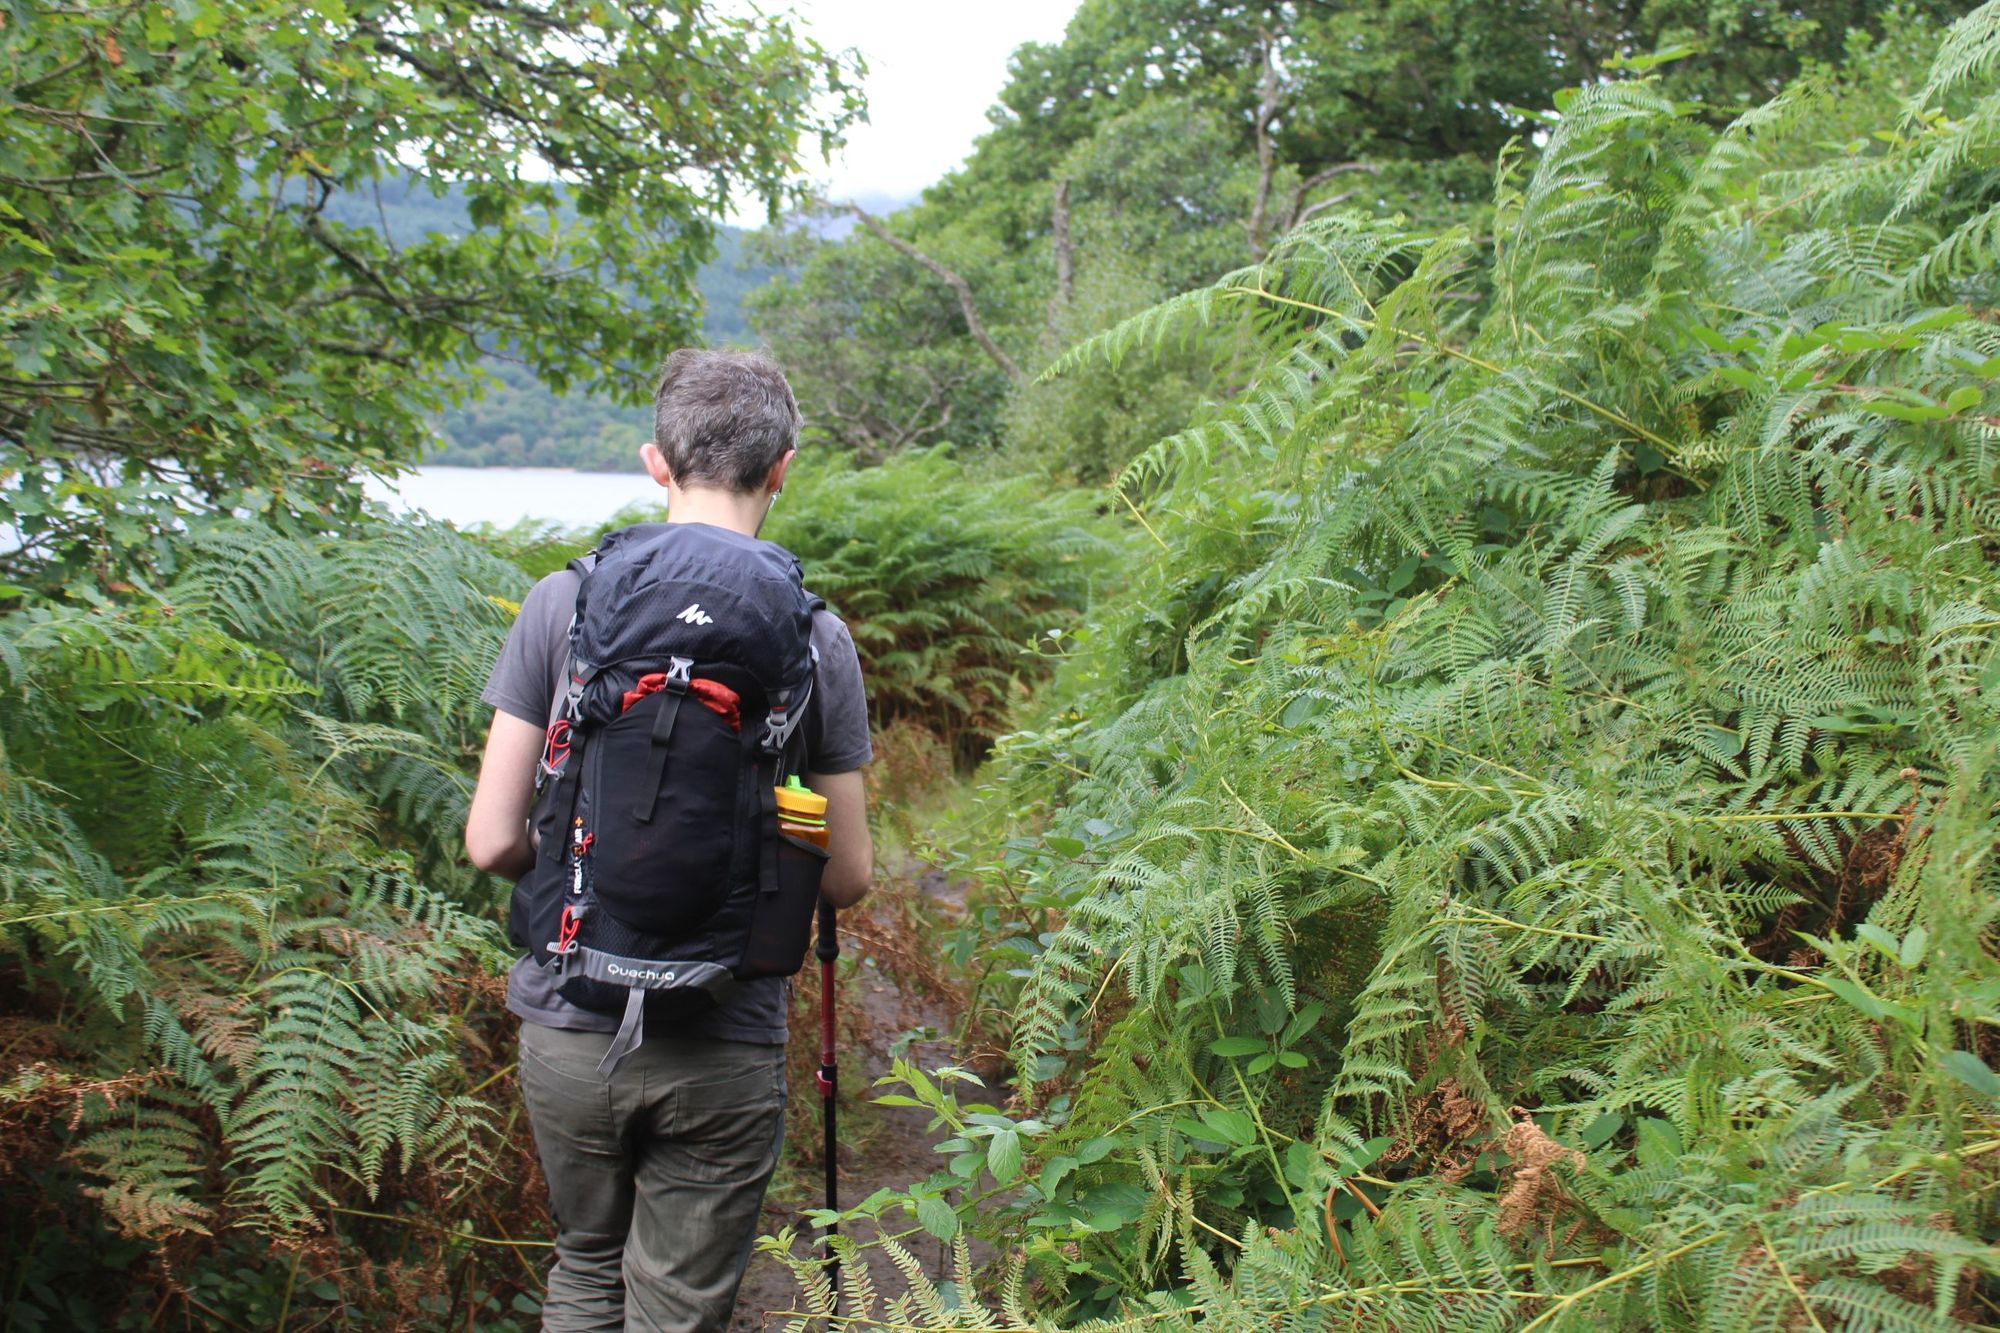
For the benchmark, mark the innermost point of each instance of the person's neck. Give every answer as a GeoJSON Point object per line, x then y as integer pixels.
{"type": "Point", "coordinates": [735, 510]}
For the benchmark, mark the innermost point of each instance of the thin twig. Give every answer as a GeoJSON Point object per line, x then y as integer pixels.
{"type": "Point", "coordinates": [455, 1234]}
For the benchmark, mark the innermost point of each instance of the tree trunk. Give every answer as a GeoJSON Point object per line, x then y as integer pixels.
{"type": "Point", "coordinates": [1267, 152]}
{"type": "Point", "coordinates": [1065, 257]}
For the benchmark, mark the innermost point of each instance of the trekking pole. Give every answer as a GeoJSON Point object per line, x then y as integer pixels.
{"type": "Point", "coordinates": [828, 952]}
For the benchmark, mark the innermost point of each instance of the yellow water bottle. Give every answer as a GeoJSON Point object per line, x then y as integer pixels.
{"type": "Point", "coordinates": [801, 812]}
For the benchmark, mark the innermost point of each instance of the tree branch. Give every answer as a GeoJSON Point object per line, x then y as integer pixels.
{"type": "Point", "coordinates": [951, 280]}
{"type": "Point", "coordinates": [1299, 211]}
{"type": "Point", "coordinates": [1318, 206]}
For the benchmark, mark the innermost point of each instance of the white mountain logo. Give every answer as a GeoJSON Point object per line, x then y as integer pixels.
{"type": "Point", "coordinates": [694, 615]}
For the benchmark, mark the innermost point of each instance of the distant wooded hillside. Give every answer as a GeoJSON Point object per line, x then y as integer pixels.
{"type": "Point", "coordinates": [519, 421]}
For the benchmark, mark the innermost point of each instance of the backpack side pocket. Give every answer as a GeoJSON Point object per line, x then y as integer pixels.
{"type": "Point", "coordinates": [782, 927]}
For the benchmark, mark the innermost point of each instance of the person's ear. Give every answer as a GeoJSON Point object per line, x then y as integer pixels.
{"type": "Point", "coordinates": [656, 463]}
{"type": "Point", "coordinates": [775, 480]}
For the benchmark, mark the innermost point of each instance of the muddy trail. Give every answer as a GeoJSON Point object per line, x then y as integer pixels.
{"type": "Point", "coordinates": [892, 985]}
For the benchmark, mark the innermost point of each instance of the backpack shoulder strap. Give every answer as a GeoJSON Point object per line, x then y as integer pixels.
{"type": "Point", "coordinates": [789, 731]}
{"type": "Point", "coordinates": [788, 709]}
{"type": "Point", "coordinates": [576, 675]}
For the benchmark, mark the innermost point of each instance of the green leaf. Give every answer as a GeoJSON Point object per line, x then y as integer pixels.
{"type": "Point", "coordinates": [1707, 337]}
{"type": "Point", "coordinates": [1599, 1131]}
{"type": "Point", "coordinates": [1232, 1126]}
{"type": "Point", "coordinates": [1236, 1046]}
{"type": "Point", "coordinates": [1884, 942]}
{"type": "Point", "coordinates": [1914, 413]}
{"type": "Point", "coordinates": [1943, 317]}
{"type": "Point", "coordinates": [1064, 846]}
{"type": "Point", "coordinates": [1108, 1207]}
{"type": "Point", "coordinates": [1003, 1156]}
{"type": "Point", "coordinates": [1659, 1143]}
{"type": "Point", "coordinates": [1913, 948]}
{"type": "Point", "coordinates": [1641, 64]}
{"type": "Point", "coordinates": [1368, 1153]}
{"type": "Point", "coordinates": [1096, 1150]}
{"type": "Point", "coordinates": [1300, 1161]}
{"type": "Point", "coordinates": [1053, 1172]}
{"type": "Point", "coordinates": [1302, 1023]}
{"type": "Point", "coordinates": [1973, 1072]}
{"type": "Point", "coordinates": [1857, 996]}
{"type": "Point", "coordinates": [1200, 1133]}
{"type": "Point", "coordinates": [937, 1217]}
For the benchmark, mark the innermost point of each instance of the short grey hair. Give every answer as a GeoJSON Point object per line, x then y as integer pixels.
{"type": "Point", "coordinates": [723, 418]}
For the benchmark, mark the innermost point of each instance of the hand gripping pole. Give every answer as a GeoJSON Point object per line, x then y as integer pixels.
{"type": "Point", "coordinates": [828, 953]}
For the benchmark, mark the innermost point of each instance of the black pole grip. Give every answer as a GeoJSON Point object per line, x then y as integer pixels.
{"type": "Point", "coordinates": [827, 949]}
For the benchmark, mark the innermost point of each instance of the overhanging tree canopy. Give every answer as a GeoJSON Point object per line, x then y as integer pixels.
{"type": "Point", "coordinates": [184, 325]}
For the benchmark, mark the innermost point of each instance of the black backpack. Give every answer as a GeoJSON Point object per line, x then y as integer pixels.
{"type": "Point", "coordinates": [661, 878]}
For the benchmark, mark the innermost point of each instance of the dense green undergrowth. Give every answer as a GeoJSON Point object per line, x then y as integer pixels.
{"type": "Point", "coordinates": [1520, 851]}
{"type": "Point", "coordinates": [242, 952]}
{"type": "Point", "coordinates": [1509, 846]}
{"type": "Point", "coordinates": [251, 987]}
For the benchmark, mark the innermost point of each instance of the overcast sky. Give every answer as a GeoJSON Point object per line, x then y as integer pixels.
{"type": "Point", "coordinates": [934, 66]}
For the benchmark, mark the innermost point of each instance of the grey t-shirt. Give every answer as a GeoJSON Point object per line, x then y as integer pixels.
{"type": "Point", "coordinates": [524, 685]}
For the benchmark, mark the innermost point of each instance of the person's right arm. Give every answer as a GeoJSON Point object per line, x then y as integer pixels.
{"type": "Point", "coordinates": [496, 828]}
{"type": "Point", "coordinates": [520, 689]}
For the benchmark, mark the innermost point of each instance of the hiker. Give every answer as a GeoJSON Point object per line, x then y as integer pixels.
{"type": "Point", "coordinates": [658, 1151]}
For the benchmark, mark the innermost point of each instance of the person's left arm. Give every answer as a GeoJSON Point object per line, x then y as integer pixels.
{"type": "Point", "coordinates": [850, 863]}
{"type": "Point", "coordinates": [838, 747]}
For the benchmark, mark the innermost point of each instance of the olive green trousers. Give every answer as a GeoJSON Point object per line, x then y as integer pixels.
{"type": "Point", "coordinates": [656, 1174]}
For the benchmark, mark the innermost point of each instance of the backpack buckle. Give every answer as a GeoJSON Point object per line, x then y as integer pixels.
{"type": "Point", "coordinates": [788, 709]}
{"type": "Point", "coordinates": [579, 675]}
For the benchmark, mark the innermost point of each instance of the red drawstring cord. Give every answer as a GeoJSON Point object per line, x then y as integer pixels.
{"type": "Point", "coordinates": [556, 748]}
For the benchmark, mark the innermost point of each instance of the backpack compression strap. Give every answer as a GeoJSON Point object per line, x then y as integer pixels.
{"type": "Point", "coordinates": [676, 688]}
